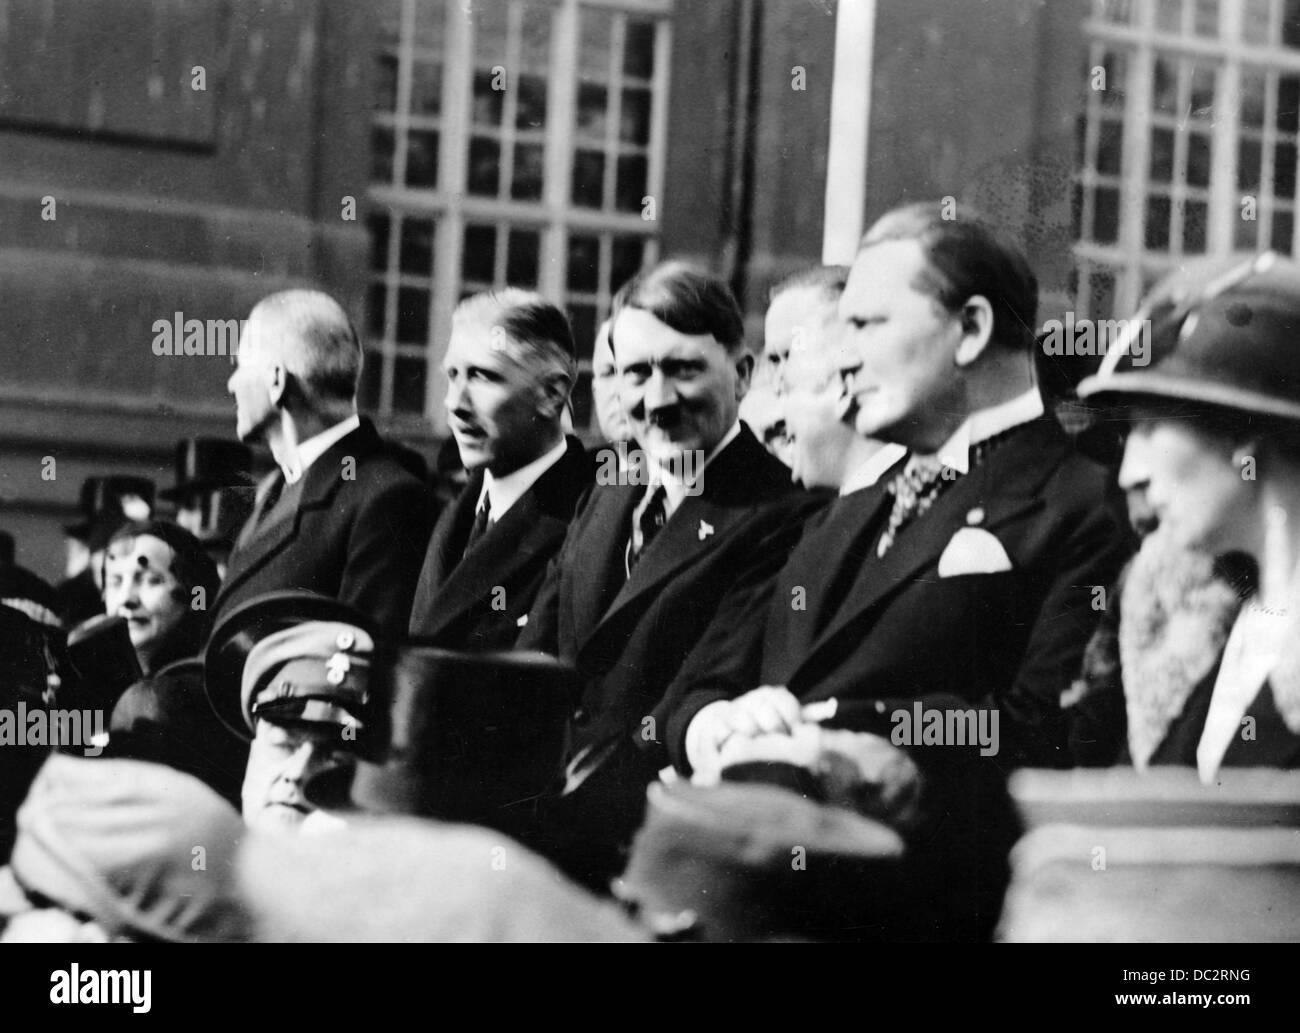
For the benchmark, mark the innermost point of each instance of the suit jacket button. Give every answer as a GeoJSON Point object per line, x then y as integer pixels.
{"type": "Point", "coordinates": [580, 716]}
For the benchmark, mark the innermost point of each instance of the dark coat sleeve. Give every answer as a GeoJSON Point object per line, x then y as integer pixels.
{"type": "Point", "coordinates": [1091, 552]}
{"type": "Point", "coordinates": [385, 551]}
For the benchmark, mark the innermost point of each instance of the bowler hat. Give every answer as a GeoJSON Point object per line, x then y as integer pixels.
{"type": "Point", "coordinates": [104, 663]}
{"type": "Point", "coordinates": [204, 464]}
{"type": "Point", "coordinates": [239, 677]}
{"type": "Point", "coordinates": [467, 737]}
{"type": "Point", "coordinates": [106, 502]}
{"type": "Point", "coordinates": [165, 718]}
{"type": "Point", "coordinates": [1236, 344]}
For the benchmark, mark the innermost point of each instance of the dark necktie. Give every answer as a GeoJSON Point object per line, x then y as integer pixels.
{"type": "Point", "coordinates": [481, 520]}
{"type": "Point", "coordinates": [262, 507]}
{"type": "Point", "coordinates": [651, 522]}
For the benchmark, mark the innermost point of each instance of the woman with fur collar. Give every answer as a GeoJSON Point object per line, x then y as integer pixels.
{"type": "Point", "coordinates": [1206, 640]}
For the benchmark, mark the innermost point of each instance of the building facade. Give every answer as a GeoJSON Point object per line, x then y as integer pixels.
{"type": "Point", "coordinates": [161, 157]}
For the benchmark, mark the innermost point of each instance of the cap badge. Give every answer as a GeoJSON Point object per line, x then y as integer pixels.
{"type": "Point", "coordinates": [336, 668]}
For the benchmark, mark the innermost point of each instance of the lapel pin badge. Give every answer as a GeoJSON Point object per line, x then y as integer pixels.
{"type": "Point", "coordinates": [706, 529]}
{"type": "Point", "coordinates": [975, 517]}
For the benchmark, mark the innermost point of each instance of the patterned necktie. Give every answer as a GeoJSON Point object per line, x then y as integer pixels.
{"type": "Point", "coordinates": [481, 520]}
{"type": "Point", "coordinates": [914, 489]}
{"type": "Point", "coordinates": [651, 522]}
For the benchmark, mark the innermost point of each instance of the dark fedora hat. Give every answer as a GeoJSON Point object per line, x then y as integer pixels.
{"type": "Point", "coordinates": [204, 464]}
{"type": "Point", "coordinates": [1231, 342]}
{"type": "Point", "coordinates": [103, 661]}
{"type": "Point", "coordinates": [241, 632]}
{"type": "Point", "coordinates": [475, 737]}
{"type": "Point", "coordinates": [165, 718]}
{"type": "Point", "coordinates": [108, 501]}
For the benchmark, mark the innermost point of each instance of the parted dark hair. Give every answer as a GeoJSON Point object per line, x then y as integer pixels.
{"type": "Point", "coordinates": [830, 278]}
{"type": "Point", "coordinates": [193, 568]}
{"type": "Point", "coordinates": [686, 298]}
{"type": "Point", "coordinates": [965, 256]}
{"type": "Point", "coordinates": [528, 319]}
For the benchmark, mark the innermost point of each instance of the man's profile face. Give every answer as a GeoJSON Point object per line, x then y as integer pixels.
{"type": "Point", "coordinates": [794, 315]}
{"type": "Point", "coordinates": [493, 400]}
{"type": "Point", "coordinates": [681, 392]}
{"type": "Point", "coordinates": [251, 382]}
{"type": "Point", "coordinates": [818, 439]}
{"type": "Point", "coordinates": [281, 760]}
{"type": "Point", "coordinates": [610, 416]}
{"type": "Point", "coordinates": [898, 362]}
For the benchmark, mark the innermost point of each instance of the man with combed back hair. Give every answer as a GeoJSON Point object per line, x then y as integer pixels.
{"type": "Point", "coordinates": [671, 556]}
{"type": "Point", "coordinates": [510, 366]}
{"type": "Point", "coordinates": [341, 514]}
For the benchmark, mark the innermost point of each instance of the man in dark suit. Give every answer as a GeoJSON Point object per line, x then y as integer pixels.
{"type": "Point", "coordinates": [341, 515]}
{"type": "Point", "coordinates": [671, 556]}
{"type": "Point", "coordinates": [510, 366]}
{"type": "Point", "coordinates": [961, 584]}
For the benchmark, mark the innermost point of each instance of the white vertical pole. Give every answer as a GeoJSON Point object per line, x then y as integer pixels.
{"type": "Point", "coordinates": [846, 159]}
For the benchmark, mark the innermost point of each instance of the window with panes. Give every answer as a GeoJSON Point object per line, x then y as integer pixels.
{"type": "Point", "coordinates": [1187, 140]}
{"type": "Point", "coordinates": [514, 142]}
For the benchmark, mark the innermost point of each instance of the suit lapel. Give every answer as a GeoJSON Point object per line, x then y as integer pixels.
{"type": "Point", "coordinates": [535, 524]}
{"type": "Point", "coordinates": [316, 490]}
{"type": "Point", "coordinates": [598, 573]}
{"type": "Point", "coordinates": [698, 526]}
{"type": "Point", "coordinates": [1001, 488]}
{"type": "Point", "coordinates": [447, 545]}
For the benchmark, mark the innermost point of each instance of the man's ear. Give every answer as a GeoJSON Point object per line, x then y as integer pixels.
{"type": "Point", "coordinates": [976, 329]}
{"type": "Point", "coordinates": [553, 394]}
{"type": "Point", "coordinates": [744, 373]}
{"type": "Point", "coordinates": [279, 385]}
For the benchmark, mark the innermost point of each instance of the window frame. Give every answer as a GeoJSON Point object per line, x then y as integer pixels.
{"type": "Point", "coordinates": [451, 207]}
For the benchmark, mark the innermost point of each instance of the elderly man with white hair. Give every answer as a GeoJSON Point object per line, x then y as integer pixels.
{"type": "Point", "coordinates": [342, 514]}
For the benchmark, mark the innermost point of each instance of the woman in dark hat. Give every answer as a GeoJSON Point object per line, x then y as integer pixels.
{"type": "Point", "coordinates": [1214, 443]}
{"type": "Point", "coordinates": [161, 580]}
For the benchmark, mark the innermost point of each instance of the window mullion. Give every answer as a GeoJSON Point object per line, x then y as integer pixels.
{"type": "Point", "coordinates": [560, 103]}
{"type": "Point", "coordinates": [458, 73]}
{"type": "Point", "coordinates": [1225, 206]}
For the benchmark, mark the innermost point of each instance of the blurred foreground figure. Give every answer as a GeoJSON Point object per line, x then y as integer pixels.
{"type": "Point", "coordinates": [342, 515]}
{"type": "Point", "coordinates": [1215, 440]}
{"type": "Point", "coordinates": [121, 850]}
{"type": "Point", "coordinates": [413, 881]}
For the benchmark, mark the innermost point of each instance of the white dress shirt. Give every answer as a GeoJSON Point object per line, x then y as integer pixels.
{"type": "Point", "coordinates": [875, 467]}
{"type": "Point", "coordinates": [505, 491]}
{"type": "Point", "coordinates": [675, 485]}
{"type": "Point", "coordinates": [1249, 656]}
{"type": "Point", "coordinates": [984, 424]}
{"type": "Point", "coordinates": [307, 452]}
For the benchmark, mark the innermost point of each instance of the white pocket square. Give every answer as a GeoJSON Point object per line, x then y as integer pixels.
{"type": "Point", "coordinates": [973, 550]}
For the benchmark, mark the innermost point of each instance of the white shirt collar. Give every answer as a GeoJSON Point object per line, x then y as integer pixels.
{"type": "Point", "coordinates": [675, 484]}
{"type": "Point", "coordinates": [314, 447]}
{"type": "Point", "coordinates": [506, 491]}
{"type": "Point", "coordinates": [988, 423]}
{"type": "Point", "coordinates": [869, 472]}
